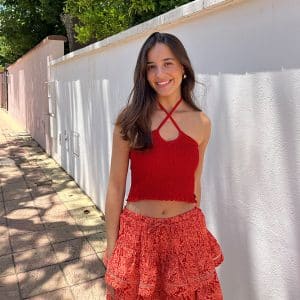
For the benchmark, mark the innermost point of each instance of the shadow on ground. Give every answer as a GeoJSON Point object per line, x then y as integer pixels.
{"type": "Point", "coordinates": [52, 236]}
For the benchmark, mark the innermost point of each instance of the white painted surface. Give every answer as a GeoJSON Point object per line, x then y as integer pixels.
{"type": "Point", "coordinates": [247, 54]}
{"type": "Point", "coordinates": [27, 88]}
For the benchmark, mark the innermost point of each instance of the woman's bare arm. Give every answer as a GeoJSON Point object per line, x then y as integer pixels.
{"type": "Point", "coordinates": [206, 124]}
{"type": "Point", "coordinates": [116, 188]}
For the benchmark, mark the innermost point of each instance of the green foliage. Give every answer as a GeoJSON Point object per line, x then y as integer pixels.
{"type": "Point", "coordinates": [24, 23]}
{"type": "Point", "coordinates": [158, 7]}
{"type": "Point", "coordinates": [99, 19]}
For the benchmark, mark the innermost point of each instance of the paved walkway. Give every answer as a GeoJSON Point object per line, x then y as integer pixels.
{"type": "Point", "coordinates": [51, 234]}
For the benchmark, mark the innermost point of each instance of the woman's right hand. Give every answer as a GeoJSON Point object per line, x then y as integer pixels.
{"type": "Point", "coordinates": [110, 292]}
{"type": "Point", "coordinates": [107, 255]}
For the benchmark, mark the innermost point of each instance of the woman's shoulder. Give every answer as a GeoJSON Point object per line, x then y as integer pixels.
{"type": "Point", "coordinates": [205, 120]}
{"type": "Point", "coordinates": [197, 124]}
{"type": "Point", "coordinates": [200, 117]}
{"type": "Point", "coordinates": [205, 126]}
{"type": "Point", "coordinates": [198, 111]}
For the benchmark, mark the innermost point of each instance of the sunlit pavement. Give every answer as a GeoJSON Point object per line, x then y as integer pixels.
{"type": "Point", "coordinates": [51, 234]}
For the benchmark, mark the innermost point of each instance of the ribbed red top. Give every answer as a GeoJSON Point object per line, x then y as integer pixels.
{"type": "Point", "coordinates": [167, 170]}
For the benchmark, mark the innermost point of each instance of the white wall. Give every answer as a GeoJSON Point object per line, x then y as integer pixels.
{"type": "Point", "coordinates": [28, 91]}
{"type": "Point", "coordinates": [247, 54]}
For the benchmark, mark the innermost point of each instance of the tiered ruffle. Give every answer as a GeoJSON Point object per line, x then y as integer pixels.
{"type": "Point", "coordinates": [165, 258]}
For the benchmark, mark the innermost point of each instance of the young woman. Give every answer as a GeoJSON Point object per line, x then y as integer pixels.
{"type": "Point", "coordinates": [158, 246]}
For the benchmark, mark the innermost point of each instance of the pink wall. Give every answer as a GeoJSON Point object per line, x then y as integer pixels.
{"type": "Point", "coordinates": [1, 89]}
{"type": "Point", "coordinates": [28, 88]}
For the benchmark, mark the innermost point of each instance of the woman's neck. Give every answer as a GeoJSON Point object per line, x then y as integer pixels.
{"type": "Point", "coordinates": [168, 102]}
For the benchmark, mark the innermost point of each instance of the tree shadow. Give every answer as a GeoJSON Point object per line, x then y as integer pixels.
{"type": "Point", "coordinates": [54, 229]}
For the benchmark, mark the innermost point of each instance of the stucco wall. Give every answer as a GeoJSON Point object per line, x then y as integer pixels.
{"type": "Point", "coordinates": [247, 54]}
{"type": "Point", "coordinates": [28, 90]}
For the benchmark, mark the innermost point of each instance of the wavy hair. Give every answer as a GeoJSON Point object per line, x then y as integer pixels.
{"type": "Point", "coordinates": [135, 118]}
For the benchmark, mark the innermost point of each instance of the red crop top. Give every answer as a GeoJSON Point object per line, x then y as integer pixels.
{"type": "Point", "coordinates": [167, 170]}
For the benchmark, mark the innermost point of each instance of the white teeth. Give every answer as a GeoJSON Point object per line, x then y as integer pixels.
{"type": "Point", "coordinates": [163, 83]}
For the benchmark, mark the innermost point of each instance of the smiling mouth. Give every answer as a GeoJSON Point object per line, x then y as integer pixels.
{"type": "Point", "coordinates": [163, 83]}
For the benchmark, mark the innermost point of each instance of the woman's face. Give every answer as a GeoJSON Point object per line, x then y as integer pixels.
{"type": "Point", "coordinates": [164, 72]}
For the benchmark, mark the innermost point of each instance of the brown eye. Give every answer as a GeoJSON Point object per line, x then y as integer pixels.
{"type": "Point", "coordinates": [150, 67]}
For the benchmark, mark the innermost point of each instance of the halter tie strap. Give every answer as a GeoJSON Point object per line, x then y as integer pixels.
{"type": "Point", "coordinates": [168, 115]}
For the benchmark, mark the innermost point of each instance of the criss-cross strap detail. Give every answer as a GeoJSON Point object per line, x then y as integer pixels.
{"type": "Point", "coordinates": [169, 115]}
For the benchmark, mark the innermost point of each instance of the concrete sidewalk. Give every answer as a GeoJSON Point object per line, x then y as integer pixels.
{"type": "Point", "coordinates": [51, 234]}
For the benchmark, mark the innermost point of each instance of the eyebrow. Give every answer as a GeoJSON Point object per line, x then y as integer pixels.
{"type": "Point", "coordinates": [165, 59]}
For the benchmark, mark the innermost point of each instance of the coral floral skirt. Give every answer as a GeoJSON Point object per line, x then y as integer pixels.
{"type": "Point", "coordinates": [164, 258]}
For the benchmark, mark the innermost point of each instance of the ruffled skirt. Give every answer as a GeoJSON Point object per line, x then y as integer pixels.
{"type": "Point", "coordinates": [164, 258]}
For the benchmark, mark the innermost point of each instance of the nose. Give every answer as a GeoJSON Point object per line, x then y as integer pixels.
{"type": "Point", "coordinates": [159, 71]}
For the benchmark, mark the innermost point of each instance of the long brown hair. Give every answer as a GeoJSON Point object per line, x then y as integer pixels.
{"type": "Point", "coordinates": [135, 118]}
